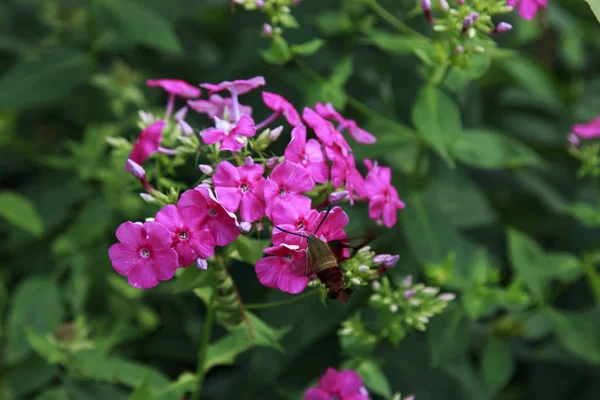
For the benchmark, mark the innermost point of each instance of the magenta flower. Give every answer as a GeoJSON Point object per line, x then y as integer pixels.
{"type": "Point", "coordinates": [175, 87]}
{"type": "Point", "coordinates": [217, 106]}
{"type": "Point", "coordinates": [281, 106]}
{"type": "Point", "coordinates": [343, 385]}
{"type": "Point", "coordinates": [325, 131]}
{"type": "Point", "coordinates": [241, 187]}
{"type": "Point", "coordinates": [285, 269]}
{"type": "Point", "coordinates": [360, 135]}
{"type": "Point", "coordinates": [528, 8]}
{"type": "Point", "coordinates": [231, 136]}
{"type": "Point", "coordinates": [222, 223]}
{"type": "Point", "coordinates": [343, 171]}
{"type": "Point", "coordinates": [144, 254]}
{"type": "Point", "coordinates": [147, 143]}
{"type": "Point", "coordinates": [287, 181]}
{"type": "Point", "coordinates": [191, 237]}
{"type": "Point", "coordinates": [590, 130]}
{"type": "Point", "coordinates": [238, 87]}
{"type": "Point", "coordinates": [383, 197]}
{"type": "Point", "coordinates": [308, 154]}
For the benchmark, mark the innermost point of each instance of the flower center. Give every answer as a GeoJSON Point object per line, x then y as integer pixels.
{"type": "Point", "coordinates": [304, 159]}
{"type": "Point", "coordinates": [183, 235]}
{"type": "Point", "coordinates": [212, 212]}
{"type": "Point", "coordinates": [223, 125]}
{"type": "Point", "coordinates": [300, 225]}
{"type": "Point", "coordinates": [288, 257]}
{"type": "Point", "coordinates": [282, 192]}
{"type": "Point", "coordinates": [244, 187]}
{"type": "Point", "coordinates": [145, 253]}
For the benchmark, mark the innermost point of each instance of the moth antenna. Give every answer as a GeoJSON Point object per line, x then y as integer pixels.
{"type": "Point", "coordinates": [292, 233]}
{"type": "Point", "coordinates": [323, 220]}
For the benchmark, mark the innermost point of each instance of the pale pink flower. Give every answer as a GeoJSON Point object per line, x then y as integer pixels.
{"type": "Point", "coordinates": [191, 237]}
{"type": "Point", "coordinates": [147, 143]}
{"type": "Point", "coordinates": [144, 254]}
{"type": "Point", "coordinates": [175, 88]}
{"type": "Point", "coordinates": [383, 197]}
{"type": "Point", "coordinates": [589, 130]}
{"type": "Point", "coordinates": [239, 86]}
{"type": "Point", "coordinates": [217, 106]}
{"type": "Point", "coordinates": [285, 268]}
{"type": "Point", "coordinates": [222, 223]}
{"type": "Point", "coordinates": [241, 188]}
{"type": "Point", "coordinates": [359, 134]}
{"type": "Point", "coordinates": [281, 106]}
{"type": "Point", "coordinates": [308, 154]}
{"type": "Point", "coordinates": [342, 385]}
{"type": "Point", "coordinates": [231, 136]}
{"type": "Point", "coordinates": [288, 180]}
{"type": "Point", "coordinates": [528, 8]}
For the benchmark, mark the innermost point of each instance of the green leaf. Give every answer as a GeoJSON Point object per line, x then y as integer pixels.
{"type": "Point", "coordinates": [374, 378]}
{"type": "Point", "coordinates": [279, 52]}
{"type": "Point", "coordinates": [342, 71]}
{"type": "Point", "coordinates": [30, 375]}
{"type": "Point", "coordinates": [142, 391]}
{"type": "Point", "coordinates": [595, 6]}
{"type": "Point", "coordinates": [185, 383]}
{"type": "Point", "coordinates": [481, 148]}
{"type": "Point", "coordinates": [308, 48]}
{"type": "Point", "coordinates": [587, 214]}
{"type": "Point", "coordinates": [53, 394]}
{"type": "Point", "coordinates": [249, 250]}
{"type": "Point", "coordinates": [187, 280]}
{"type": "Point", "coordinates": [497, 364]}
{"type": "Point", "coordinates": [140, 24]}
{"type": "Point", "coordinates": [333, 22]}
{"type": "Point", "coordinates": [43, 80]}
{"type": "Point", "coordinates": [448, 336]}
{"type": "Point", "coordinates": [19, 211]}
{"type": "Point", "coordinates": [437, 118]}
{"type": "Point", "coordinates": [46, 347]}
{"type": "Point", "coordinates": [36, 305]}
{"type": "Point", "coordinates": [393, 43]}
{"type": "Point", "coordinates": [87, 390]}
{"type": "Point", "coordinates": [225, 350]}
{"type": "Point", "coordinates": [578, 332]}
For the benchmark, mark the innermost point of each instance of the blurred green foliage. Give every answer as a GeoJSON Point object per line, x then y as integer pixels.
{"type": "Point", "coordinates": [495, 211]}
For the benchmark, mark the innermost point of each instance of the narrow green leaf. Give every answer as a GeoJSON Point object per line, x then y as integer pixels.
{"type": "Point", "coordinates": [185, 383]}
{"type": "Point", "coordinates": [142, 391]}
{"type": "Point", "coordinates": [341, 72]}
{"type": "Point", "coordinates": [595, 6]}
{"type": "Point", "coordinates": [437, 118]}
{"type": "Point", "coordinates": [374, 378]}
{"type": "Point", "coordinates": [393, 43]}
{"type": "Point", "coordinates": [52, 394]}
{"type": "Point", "coordinates": [578, 332]}
{"type": "Point", "coordinates": [279, 52]}
{"type": "Point", "coordinates": [333, 22]}
{"type": "Point", "coordinates": [19, 211]}
{"type": "Point", "coordinates": [308, 48]}
{"type": "Point", "coordinates": [189, 279]}
{"type": "Point", "coordinates": [448, 336]}
{"type": "Point", "coordinates": [46, 347]}
{"type": "Point", "coordinates": [497, 364]}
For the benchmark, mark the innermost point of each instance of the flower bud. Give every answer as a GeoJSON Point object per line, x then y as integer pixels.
{"type": "Point", "coordinates": [446, 296]}
{"type": "Point", "coordinates": [363, 268]}
{"type": "Point", "coordinates": [267, 30]}
{"type": "Point", "coordinates": [364, 249]}
{"type": "Point", "coordinates": [259, 226]}
{"type": "Point", "coordinates": [574, 140]}
{"type": "Point", "coordinates": [426, 6]}
{"type": "Point", "coordinates": [376, 285]}
{"type": "Point", "coordinates": [275, 133]}
{"type": "Point", "coordinates": [146, 117]}
{"type": "Point", "coordinates": [205, 169]}
{"type": "Point", "coordinates": [185, 127]}
{"type": "Point", "coordinates": [245, 226]}
{"type": "Point", "coordinates": [272, 162]}
{"type": "Point", "coordinates": [478, 49]}
{"type": "Point", "coordinates": [248, 162]}
{"type": "Point", "coordinates": [356, 281]}
{"type": "Point", "coordinates": [466, 23]}
{"type": "Point", "coordinates": [430, 290]}
{"type": "Point", "coordinates": [259, 3]}
{"type": "Point", "coordinates": [410, 293]}
{"type": "Point", "coordinates": [460, 2]}
{"type": "Point", "coordinates": [474, 16]}
{"type": "Point", "coordinates": [393, 308]}
{"type": "Point", "coordinates": [148, 198]}
{"type": "Point", "coordinates": [201, 263]}
{"type": "Point", "coordinates": [423, 319]}
{"type": "Point", "coordinates": [181, 113]}
{"type": "Point", "coordinates": [501, 28]}
{"type": "Point", "coordinates": [407, 281]}
{"type": "Point", "coordinates": [391, 261]}
{"type": "Point", "coordinates": [444, 5]}
{"type": "Point", "coordinates": [337, 197]}
{"type": "Point", "coordinates": [460, 49]}
{"type": "Point", "coordinates": [136, 169]}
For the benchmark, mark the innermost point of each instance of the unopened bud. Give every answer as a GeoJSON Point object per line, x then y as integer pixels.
{"type": "Point", "coordinates": [466, 23]}
{"type": "Point", "coordinates": [337, 197]}
{"type": "Point", "coordinates": [146, 117]}
{"type": "Point", "coordinates": [205, 169]}
{"type": "Point", "coordinates": [376, 285]}
{"type": "Point", "coordinates": [201, 263]}
{"type": "Point", "coordinates": [474, 16]}
{"type": "Point", "coordinates": [444, 5]}
{"type": "Point", "coordinates": [259, 3]}
{"type": "Point", "coordinates": [356, 281]}
{"type": "Point", "coordinates": [136, 169]}
{"type": "Point", "coordinates": [407, 281]}
{"type": "Point", "coordinates": [423, 319]}
{"type": "Point", "coordinates": [148, 198]}
{"type": "Point", "coordinates": [410, 294]}
{"type": "Point", "coordinates": [272, 162]}
{"type": "Point", "coordinates": [185, 127]}
{"type": "Point", "coordinates": [249, 162]}
{"type": "Point", "coordinates": [259, 226]}
{"type": "Point", "coordinates": [426, 6]}
{"type": "Point", "coordinates": [446, 296]}
{"type": "Point", "coordinates": [390, 262]}
{"type": "Point", "coordinates": [275, 133]}
{"type": "Point", "coordinates": [245, 226]}
{"type": "Point", "coordinates": [267, 30]}
{"type": "Point", "coordinates": [478, 49]}
{"type": "Point", "coordinates": [460, 49]}
{"type": "Point", "coordinates": [574, 140]}
{"type": "Point", "coordinates": [501, 28]}
{"type": "Point", "coordinates": [411, 397]}
{"type": "Point", "coordinates": [364, 249]}
{"type": "Point", "coordinates": [394, 308]}
{"type": "Point", "coordinates": [181, 113]}
{"type": "Point", "coordinates": [363, 268]}
{"type": "Point", "coordinates": [460, 2]}
{"type": "Point", "coordinates": [430, 290]}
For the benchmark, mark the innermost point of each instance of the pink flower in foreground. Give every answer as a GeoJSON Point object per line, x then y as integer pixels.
{"type": "Point", "coordinates": [232, 136]}
{"type": "Point", "coordinates": [590, 130]}
{"type": "Point", "coordinates": [285, 268]}
{"type": "Point", "coordinates": [191, 237]}
{"type": "Point", "coordinates": [308, 154]}
{"type": "Point", "coordinates": [238, 87]}
{"type": "Point", "coordinates": [383, 197]}
{"type": "Point", "coordinates": [325, 131]}
{"type": "Point", "coordinates": [217, 106]}
{"type": "Point", "coordinates": [343, 385]}
{"type": "Point", "coordinates": [176, 87]}
{"type": "Point", "coordinates": [241, 187]}
{"type": "Point", "coordinates": [220, 222]}
{"type": "Point", "coordinates": [329, 112]}
{"type": "Point", "coordinates": [281, 106]}
{"type": "Point", "coordinates": [147, 143]}
{"type": "Point", "coordinates": [144, 254]}
{"type": "Point", "coordinates": [528, 8]}
{"type": "Point", "coordinates": [288, 180]}
{"type": "Point", "coordinates": [343, 171]}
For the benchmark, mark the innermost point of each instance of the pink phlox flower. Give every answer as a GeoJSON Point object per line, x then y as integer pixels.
{"type": "Point", "coordinates": [231, 136]}
{"type": "Point", "coordinates": [217, 106]}
{"type": "Point", "coordinates": [191, 237]}
{"type": "Point", "coordinates": [147, 143]}
{"type": "Point", "coordinates": [325, 131]}
{"type": "Point", "coordinates": [343, 171]}
{"type": "Point", "coordinates": [144, 254]}
{"type": "Point", "coordinates": [241, 188]}
{"type": "Point", "coordinates": [239, 86]}
{"type": "Point", "coordinates": [295, 215]}
{"type": "Point", "coordinates": [222, 223]}
{"type": "Point", "coordinates": [528, 8]}
{"type": "Point", "coordinates": [179, 116]}
{"type": "Point", "coordinates": [280, 105]}
{"type": "Point", "coordinates": [342, 385]}
{"type": "Point", "coordinates": [590, 130]}
{"type": "Point", "coordinates": [285, 268]}
{"type": "Point", "coordinates": [383, 197]}
{"type": "Point", "coordinates": [360, 135]}
{"type": "Point", "coordinates": [287, 180]}
{"type": "Point", "coordinates": [308, 154]}
{"type": "Point", "coordinates": [176, 87]}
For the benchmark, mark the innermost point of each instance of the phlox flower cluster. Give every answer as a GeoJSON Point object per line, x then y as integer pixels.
{"type": "Point", "coordinates": [244, 188]}
{"type": "Point", "coordinates": [342, 385]}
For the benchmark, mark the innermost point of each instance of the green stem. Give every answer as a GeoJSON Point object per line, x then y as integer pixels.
{"type": "Point", "coordinates": [594, 279]}
{"type": "Point", "coordinates": [390, 19]}
{"type": "Point", "coordinates": [280, 303]}
{"type": "Point", "coordinates": [206, 334]}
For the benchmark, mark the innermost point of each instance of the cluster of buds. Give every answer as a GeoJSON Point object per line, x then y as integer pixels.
{"type": "Point", "coordinates": [366, 266]}
{"type": "Point", "coordinates": [278, 12]}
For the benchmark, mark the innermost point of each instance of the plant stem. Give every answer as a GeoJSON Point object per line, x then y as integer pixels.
{"type": "Point", "coordinates": [280, 303]}
{"type": "Point", "coordinates": [393, 21]}
{"type": "Point", "coordinates": [206, 334]}
{"type": "Point", "coordinates": [594, 279]}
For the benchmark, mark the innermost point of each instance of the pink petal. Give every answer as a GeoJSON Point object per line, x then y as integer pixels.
{"type": "Point", "coordinates": [157, 236]}
{"type": "Point", "coordinates": [212, 135]}
{"type": "Point", "coordinates": [205, 107]}
{"type": "Point", "coordinates": [376, 205]}
{"type": "Point", "coordinates": [323, 129]}
{"type": "Point", "coordinates": [186, 255]}
{"type": "Point", "coordinates": [175, 86]}
{"type": "Point", "coordinates": [203, 243]}
{"type": "Point", "coordinates": [164, 263]}
{"type": "Point", "coordinates": [316, 394]}
{"type": "Point", "coordinates": [512, 3]}
{"type": "Point", "coordinates": [123, 257]}
{"type": "Point", "coordinates": [142, 275]}
{"type": "Point", "coordinates": [147, 143]}
{"type": "Point", "coordinates": [277, 103]}
{"type": "Point", "coordinates": [193, 198]}
{"type": "Point", "coordinates": [293, 276]}
{"type": "Point", "coordinates": [362, 136]}
{"type": "Point", "coordinates": [252, 174]}
{"type": "Point", "coordinates": [226, 175]}
{"type": "Point", "coordinates": [191, 217]}
{"type": "Point", "coordinates": [268, 270]}
{"type": "Point", "coordinates": [528, 9]}
{"type": "Point", "coordinates": [348, 383]}
{"type": "Point", "coordinates": [329, 112]}
{"type": "Point", "coordinates": [231, 143]}
{"type": "Point", "coordinates": [223, 228]}
{"type": "Point", "coordinates": [294, 151]}
{"type": "Point", "coordinates": [244, 127]}
{"type": "Point", "coordinates": [169, 217]}
{"type": "Point", "coordinates": [131, 234]}
{"type": "Point", "coordinates": [328, 380]}
{"type": "Point", "coordinates": [290, 211]}
{"type": "Point", "coordinates": [389, 214]}
{"type": "Point", "coordinates": [252, 208]}
{"type": "Point", "coordinates": [229, 197]}
{"type": "Point", "coordinates": [239, 86]}
{"type": "Point", "coordinates": [587, 131]}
